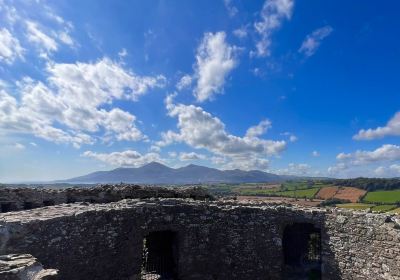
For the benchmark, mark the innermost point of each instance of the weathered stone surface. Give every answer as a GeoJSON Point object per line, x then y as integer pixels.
{"type": "Point", "coordinates": [216, 240]}
{"type": "Point", "coordinates": [14, 199]}
{"type": "Point", "coordinates": [24, 267]}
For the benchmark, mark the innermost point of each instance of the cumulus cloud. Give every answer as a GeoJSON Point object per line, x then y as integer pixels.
{"type": "Point", "coordinates": [73, 97]}
{"type": "Point", "coordinates": [273, 13]}
{"type": "Point", "coordinates": [10, 48]}
{"type": "Point", "coordinates": [388, 171]}
{"type": "Point", "coordinates": [199, 129]}
{"type": "Point", "coordinates": [392, 128]}
{"type": "Point", "coordinates": [215, 59]}
{"type": "Point", "coordinates": [337, 168]}
{"type": "Point", "coordinates": [128, 158]}
{"type": "Point", "coordinates": [251, 162]}
{"type": "Point", "coordinates": [312, 41]}
{"type": "Point", "coordinates": [191, 156]}
{"type": "Point", "coordinates": [356, 163]}
{"type": "Point", "coordinates": [386, 152]}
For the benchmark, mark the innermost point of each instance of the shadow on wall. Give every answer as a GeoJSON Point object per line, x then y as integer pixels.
{"type": "Point", "coordinates": [306, 252]}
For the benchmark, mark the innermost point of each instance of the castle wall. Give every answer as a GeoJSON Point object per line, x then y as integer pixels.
{"type": "Point", "coordinates": [16, 199]}
{"type": "Point", "coordinates": [214, 240]}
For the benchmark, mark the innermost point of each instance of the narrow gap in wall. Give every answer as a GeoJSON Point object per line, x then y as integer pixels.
{"type": "Point", "coordinates": [48, 202]}
{"type": "Point", "coordinates": [28, 205]}
{"type": "Point", "coordinates": [6, 207]}
{"type": "Point", "coordinates": [302, 251]}
{"type": "Point", "coordinates": [159, 259]}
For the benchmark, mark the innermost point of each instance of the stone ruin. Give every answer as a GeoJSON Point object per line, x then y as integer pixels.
{"type": "Point", "coordinates": [132, 232]}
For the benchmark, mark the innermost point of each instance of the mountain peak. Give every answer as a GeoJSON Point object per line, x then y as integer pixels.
{"type": "Point", "coordinates": [154, 164]}
{"type": "Point", "coordinates": [158, 173]}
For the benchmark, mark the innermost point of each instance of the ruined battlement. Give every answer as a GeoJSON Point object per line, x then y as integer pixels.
{"type": "Point", "coordinates": [15, 199]}
{"type": "Point", "coordinates": [203, 240]}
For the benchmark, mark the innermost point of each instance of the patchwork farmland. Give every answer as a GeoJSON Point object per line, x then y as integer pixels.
{"type": "Point", "coordinates": [321, 193]}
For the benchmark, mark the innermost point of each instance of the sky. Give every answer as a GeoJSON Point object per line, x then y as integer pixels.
{"type": "Point", "coordinates": [285, 86]}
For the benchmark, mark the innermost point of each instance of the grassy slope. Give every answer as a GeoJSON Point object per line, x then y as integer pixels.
{"type": "Point", "coordinates": [356, 206]}
{"type": "Point", "coordinates": [383, 208]}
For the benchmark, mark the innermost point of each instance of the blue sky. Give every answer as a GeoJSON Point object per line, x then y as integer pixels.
{"type": "Point", "coordinates": [285, 86]}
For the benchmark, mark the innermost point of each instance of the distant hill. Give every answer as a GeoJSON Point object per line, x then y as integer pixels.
{"type": "Point", "coordinates": [157, 173]}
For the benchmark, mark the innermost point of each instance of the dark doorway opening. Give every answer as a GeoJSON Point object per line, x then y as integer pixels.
{"type": "Point", "coordinates": [28, 205]}
{"type": "Point", "coordinates": [48, 202]}
{"type": "Point", "coordinates": [302, 251]}
{"type": "Point", "coordinates": [7, 207]}
{"type": "Point", "coordinates": [160, 256]}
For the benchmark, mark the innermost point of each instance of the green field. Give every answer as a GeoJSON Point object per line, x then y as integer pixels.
{"type": "Point", "coordinates": [356, 206]}
{"type": "Point", "coordinates": [302, 185]}
{"type": "Point", "coordinates": [303, 193]}
{"type": "Point", "coordinates": [254, 191]}
{"type": "Point", "coordinates": [388, 197]}
{"type": "Point", "coordinates": [383, 208]}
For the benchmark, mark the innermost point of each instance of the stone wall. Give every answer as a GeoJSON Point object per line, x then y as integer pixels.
{"type": "Point", "coordinates": [24, 267]}
{"type": "Point", "coordinates": [215, 240]}
{"type": "Point", "coordinates": [15, 199]}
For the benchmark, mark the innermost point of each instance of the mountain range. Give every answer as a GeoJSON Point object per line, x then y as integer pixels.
{"type": "Point", "coordinates": [157, 173]}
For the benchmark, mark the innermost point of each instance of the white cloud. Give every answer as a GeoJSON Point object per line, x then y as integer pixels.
{"type": "Point", "coordinates": [218, 160]}
{"type": "Point", "coordinates": [315, 154]}
{"type": "Point", "coordinates": [126, 158]}
{"type": "Point", "coordinates": [10, 48]}
{"type": "Point", "coordinates": [215, 59]}
{"type": "Point", "coordinates": [395, 168]}
{"type": "Point", "coordinates": [312, 42]}
{"type": "Point", "coordinates": [33, 144]}
{"type": "Point", "coordinates": [299, 169]}
{"type": "Point", "coordinates": [337, 168]}
{"type": "Point", "coordinates": [273, 13]}
{"type": "Point", "coordinates": [360, 162]}
{"type": "Point", "coordinates": [247, 163]}
{"type": "Point", "coordinates": [172, 154]}
{"type": "Point", "coordinates": [240, 32]}
{"type": "Point", "coordinates": [184, 82]}
{"type": "Point", "coordinates": [36, 35]}
{"type": "Point", "coordinates": [388, 171]}
{"type": "Point", "coordinates": [232, 10]}
{"type": "Point", "coordinates": [392, 128]}
{"type": "Point", "coordinates": [199, 129]}
{"type": "Point", "coordinates": [259, 129]}
{"type": "Point", "coordinates": [386, 152]}
{"type": "Point", "coordinates": [73, 97]}
{"type": "Point", "coordinates": [191, 156]}
{"type": "Point", "coordinates": [65, 38]}
{"type": "Point", "coordinates": [154, 148]}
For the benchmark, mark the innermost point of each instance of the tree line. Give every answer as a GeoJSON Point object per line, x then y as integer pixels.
{"type": "Point", "coordinates": [368, 184]}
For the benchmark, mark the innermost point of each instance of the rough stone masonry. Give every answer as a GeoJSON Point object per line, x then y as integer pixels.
{"type": "Point", "coordinates": [214, 239]}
